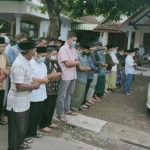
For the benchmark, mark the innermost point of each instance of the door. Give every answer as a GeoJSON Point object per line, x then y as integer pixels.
{"type": "Point", "coordinates": [146, 42]}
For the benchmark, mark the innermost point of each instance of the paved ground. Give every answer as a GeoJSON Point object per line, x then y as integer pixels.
{"type": "Point", "coordinates": [121, 123]}
{"type": "Point", "coordinates": [130, 111]}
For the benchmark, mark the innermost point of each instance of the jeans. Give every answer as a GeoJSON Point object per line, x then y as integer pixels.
{"type": "Point", "coordinates": [127, 83]}
{"type": "Point", "coordinates": [92, 87]}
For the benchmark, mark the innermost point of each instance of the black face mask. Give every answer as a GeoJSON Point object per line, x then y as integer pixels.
{"type": "Point", "coordinates": [83, 53]}
{"type": "Point", "coordinates": [88, 53]}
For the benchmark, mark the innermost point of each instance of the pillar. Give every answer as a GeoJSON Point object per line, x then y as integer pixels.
{"type": "Point", "coordinates": [18, 22]}
{"type": "Point", "coordinates": [101, 37]}
{"type": "Point", "coordinates": [105, 38]}
{"type": "Point", "coordinates": [130, 30]}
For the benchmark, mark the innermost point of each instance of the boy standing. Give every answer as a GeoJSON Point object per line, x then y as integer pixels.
{"type": "Point", "coordinates": [129, 71]}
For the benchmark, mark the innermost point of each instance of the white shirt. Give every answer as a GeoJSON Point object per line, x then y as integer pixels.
{"type": "Point", "coordinates": [129, 62]}
{"type": "Point", "coordinates": [141, 50]}
{"type": "Point", "coordinates": [115, 60]}
{"type": "Point", "coordinates": [39, 70]}
{"type": "Point", "coordinates": [21, 73]}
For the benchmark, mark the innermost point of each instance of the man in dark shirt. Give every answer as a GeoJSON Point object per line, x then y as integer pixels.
{"type": "Point", "coordinates": [110, 64]}
{"type": "Point", "coordinates": [96, 60]}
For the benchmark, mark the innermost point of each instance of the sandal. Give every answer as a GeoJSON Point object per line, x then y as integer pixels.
{"type": "Point", "coordinates": [84, 106]}
{"type": "Point", "coordinates": [46, 130]}
{"type": "Point", "coordinates": [53, 125]}
{"type": "Point", "coordinates": [38, 135]}
{"type": "Point", "coordinates": [70, 113]}
{"type": "Point", "coordinates": [3, 123]}
{"type": "Point", "coordinates": [62, 118]}
{"type": "Point", "coordinates": [25, 146]}
{"type": "Point", "coordinates": [28, 140]}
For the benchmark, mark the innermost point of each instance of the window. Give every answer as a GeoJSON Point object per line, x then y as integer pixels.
{"type": "Point", "coordinates": [28, 27]}
{"type": "Point", "coordinates": [6, 25]}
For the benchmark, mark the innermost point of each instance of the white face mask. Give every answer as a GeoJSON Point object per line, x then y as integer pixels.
{"type": "Point", "coordinates": [53, 57]}
{"type": "Point", "coordinates": [115, 51]}
{"type": "Point", "coordinates": [104, 53]}
{"type": "Point", "coordinates": [121, 53]}
{"type": "Point", "coordinates": [133, 55]}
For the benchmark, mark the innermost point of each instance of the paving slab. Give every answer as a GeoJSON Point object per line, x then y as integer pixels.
{"type": "Point", "coordinates": [51, 143]}
{"type": "Point", "coordinates": [85, 122]}
{"type": "Point", "coordinates": [128, 135]}
{"type": "Point", "coordinates": [144, 73]}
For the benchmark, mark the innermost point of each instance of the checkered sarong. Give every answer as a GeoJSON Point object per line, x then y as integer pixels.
{"type": "Point", "coordinates": [119, 77]}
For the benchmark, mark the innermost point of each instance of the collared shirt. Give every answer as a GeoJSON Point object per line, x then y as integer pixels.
{"type": "Point", "coordinates": [21, 73]}
{"type": "Point", "coordinates": [16, 50]}
{"type": "Point", "coordinates": [39, 70]}
{"type": "Point", "coordinates": [102, 70]}
{"type": "Point", "coordinates": [82, 76]}
{"type": "Point", "coordinates": [129, 62]}
{"type": "Point", "coordinates": [53, 85]}
{"type": "Point", "coordinates": [10, 53]}
{"type": "Point", "coordinates": [95, 58]}
{"type": "Point", "coordinates": [141, 50]}
{"type": "Point", "coordinates": [4, 64]}
{"type": "Point", "coordinates": [67, 53]}
{"type": "Point", "coordinates": [115, 60]}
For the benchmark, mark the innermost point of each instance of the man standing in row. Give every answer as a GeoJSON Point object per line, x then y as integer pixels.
{"type": "Point", "coordinates": [18, 101]}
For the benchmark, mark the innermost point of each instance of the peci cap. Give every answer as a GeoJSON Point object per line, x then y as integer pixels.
{"type": "Point", "coordinates": [97, 44]}
{"type": "Point", "coordinates": [41, 49]}
{"type": "Point", "coordinates": [86, 46]}
{"type": "Point", "coordinates": [2, 40]}
{"type": "Point", "coordinates": [51, 48]}
{"type": "Point", "coordinates": [27, 45]}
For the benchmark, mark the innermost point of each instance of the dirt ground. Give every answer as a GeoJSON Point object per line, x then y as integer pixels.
{"type": "Point", "coordinates": [130, 110]}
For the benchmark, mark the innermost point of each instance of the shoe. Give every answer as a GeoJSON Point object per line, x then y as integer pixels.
{"type": "Point", "coordinates": [128, 94]}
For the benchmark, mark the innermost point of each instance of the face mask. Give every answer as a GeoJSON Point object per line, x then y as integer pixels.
{"type": "Point", "coordinates": [121, 53]}
{"type": "Point", "coordinates": [83, 53]}
{"type": "Point", "coordinates": [115, 51]}
{"type": "Point", "coordinates": [73, 44]}
{"type": "Point", "coordinates": [133, 55]}
{"type": "Point", "coordinates": [41, 59]}
{"type": "Point", "coordinates": [98, 49]}
{"type": "Point", "coordinates": [88, 54]}
{"type": "Point", "coordinates": [104, 53]}
{"type": "Point", "coordinates": [53, 57]}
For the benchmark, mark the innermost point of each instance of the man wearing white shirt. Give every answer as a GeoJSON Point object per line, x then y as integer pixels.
{"type": "Point", "coordinates": [129, 70]}
{"type": "Point", "coordinates": [39, 74]}
{"type": "Point", "coordinates": [112, 81]}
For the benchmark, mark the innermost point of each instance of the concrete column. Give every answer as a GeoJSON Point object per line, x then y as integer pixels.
{"type": "Point", "coordinates": [18, 22]}
{"type": "Point", "coordinates": [105, 38]}
{"type": "Point", "coordinates": [101, 37]}
{"type": "Point", "coordinates": [130, 30]}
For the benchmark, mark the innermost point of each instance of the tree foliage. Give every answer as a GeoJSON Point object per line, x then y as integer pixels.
{"type": "Point", "coordinates": [110, 9]}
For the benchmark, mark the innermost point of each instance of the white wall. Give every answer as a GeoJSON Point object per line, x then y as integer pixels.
{"type": "Point", "coordinates": [36, 2]}
{"type": "Point", "coordinates": [65, 27]}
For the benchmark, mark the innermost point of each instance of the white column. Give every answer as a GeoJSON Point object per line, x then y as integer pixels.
{"type": "Point", "coordinates": [105, 38]}
{"type": "Point", "coordinates": [130, 30]}
{"type": "Point", "coordinates": [18, 22]}
{"type": "Point", "coordinates": [101, 37]}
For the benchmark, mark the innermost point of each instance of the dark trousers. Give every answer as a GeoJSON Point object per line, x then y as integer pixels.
{"type": "Point", "coordinates": [17, 127]}
{"type": "Point", "coordinates": [86, 90]}
{"type": "Point", "coordinates": [49, 108]}
{"type": "Point", "coordinates": [1, 101]}
{"type": "Point", "coordinates": [36, 110]}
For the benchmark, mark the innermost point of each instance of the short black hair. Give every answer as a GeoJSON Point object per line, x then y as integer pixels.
{"type": "Point", "coordinates": [21, 36]}
{"type": "Point", "coordinates": [71, 34]}
{"type": "Point", "coordinates": [41, 39]}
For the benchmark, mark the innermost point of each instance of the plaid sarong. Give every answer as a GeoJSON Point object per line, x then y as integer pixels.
{"type": "Point", "coordinates": [119, 77]}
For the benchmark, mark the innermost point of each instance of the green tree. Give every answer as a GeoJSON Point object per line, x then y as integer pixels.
{"type": "Point", "coordinates": [111, 9]}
